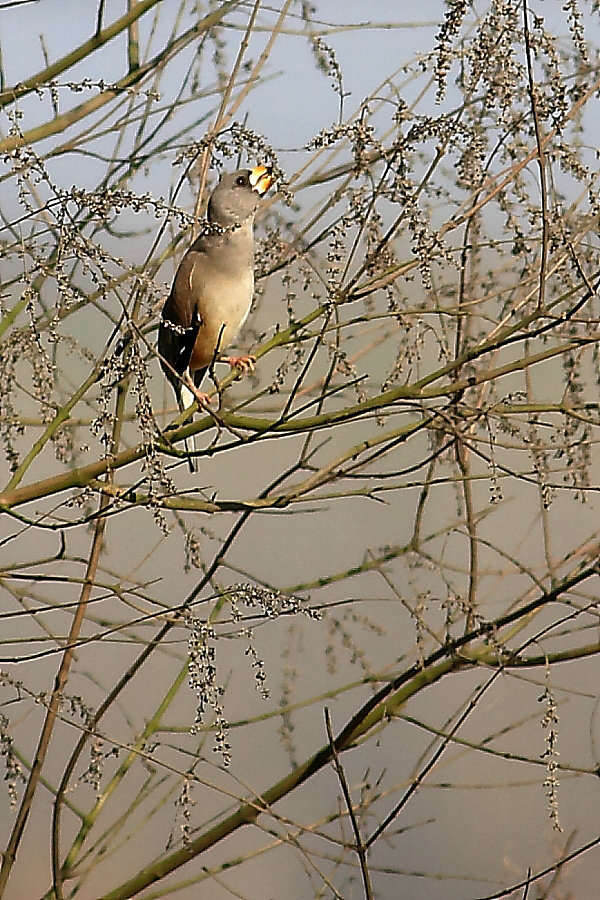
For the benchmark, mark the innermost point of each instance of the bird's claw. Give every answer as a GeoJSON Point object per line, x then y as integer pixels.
{"type": "Point", "coordinates": [201, 396]}
{"type": "Point", "coordinates": [246, 364]}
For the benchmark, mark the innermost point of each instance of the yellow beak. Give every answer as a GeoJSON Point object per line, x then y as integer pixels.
{"type": "Point", "coordinates": [261, 179]}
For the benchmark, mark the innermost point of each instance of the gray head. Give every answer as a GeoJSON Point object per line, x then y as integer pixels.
{"type": "Point", "coordinates": [237, 195]}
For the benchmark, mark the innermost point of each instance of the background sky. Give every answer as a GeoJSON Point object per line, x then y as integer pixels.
{"type": "Point", "coordinates": [478, 834]}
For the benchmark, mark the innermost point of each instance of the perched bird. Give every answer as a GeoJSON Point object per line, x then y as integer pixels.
{"type": "Point", "coordinates": [212, 291]}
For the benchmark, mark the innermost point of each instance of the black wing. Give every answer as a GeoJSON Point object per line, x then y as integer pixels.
{"type": "Point", "coordinates": [175, 343]}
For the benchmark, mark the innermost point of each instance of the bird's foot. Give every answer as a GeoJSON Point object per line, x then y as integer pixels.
{"type": "Point", "coordinates": [246, 364]}
{"type": "Point", "coordinates": [202, 397]}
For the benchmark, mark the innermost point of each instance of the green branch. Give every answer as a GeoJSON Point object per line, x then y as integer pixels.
{"type": "Point", "coordinates": [61, 122]}
{"type": "Point", "coordinates": [259, 426]}
{"type": "Point", "coordinates": [9, 95]}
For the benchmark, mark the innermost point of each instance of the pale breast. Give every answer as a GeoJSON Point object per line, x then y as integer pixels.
{"type": "Point", "coordinates": [223, 304]}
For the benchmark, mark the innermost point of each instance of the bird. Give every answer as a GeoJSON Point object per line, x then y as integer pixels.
{"type": "Point", "coordinates": [213, 287]}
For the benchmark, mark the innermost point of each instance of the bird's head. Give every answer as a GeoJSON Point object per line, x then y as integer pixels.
{"type": "Point", "coordinates": [238, 194]}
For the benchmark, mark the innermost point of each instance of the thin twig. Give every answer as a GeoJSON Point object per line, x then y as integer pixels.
{"type": "Point", "coordinates": [541, 157]}
{"type": "Point", "coordinates": [360, 848]}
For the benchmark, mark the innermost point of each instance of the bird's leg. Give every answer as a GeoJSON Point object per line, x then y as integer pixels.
{"type": "Point", "coordinates": [202, 398]}
{"type": "Point", "coordinates": [245, 363]}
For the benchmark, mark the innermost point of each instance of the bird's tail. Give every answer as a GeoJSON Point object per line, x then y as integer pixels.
{"type": "Point", "coordinates": [185, 398]}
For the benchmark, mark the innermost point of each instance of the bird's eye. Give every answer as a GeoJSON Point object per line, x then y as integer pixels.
{"type": "Point", "coordinates": [241, 180]}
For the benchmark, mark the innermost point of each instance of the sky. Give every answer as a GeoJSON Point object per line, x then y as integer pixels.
{"type": "Point", "coordinates": [289, 108]}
